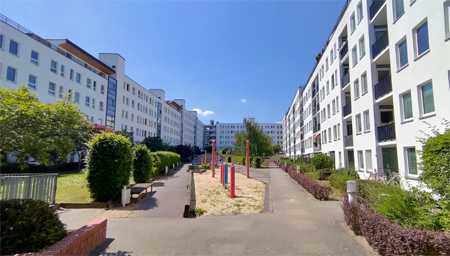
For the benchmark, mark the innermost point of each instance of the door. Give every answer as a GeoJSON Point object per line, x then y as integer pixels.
{"type": "Point", "coordinates": [390, 163]}
{"type": "Point", "coordinates": [351, 159]}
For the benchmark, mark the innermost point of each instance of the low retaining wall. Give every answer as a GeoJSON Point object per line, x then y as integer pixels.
{"type": "Point", "coordinates": [79, 242]}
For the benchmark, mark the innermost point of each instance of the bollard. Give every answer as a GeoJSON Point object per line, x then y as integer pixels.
{"type": "Point", "coordinates": [352, 190]}
{"type": "Point", "coordinates": [232, 182]}
{"type": "Point", "coordinates": [167, 170]}
{"type": "Point", "coordinates": [221, 174]}
{"type": "Point", "coordinates": [225, 175]}
{"type": "Point", "coordinates": [126, 196]}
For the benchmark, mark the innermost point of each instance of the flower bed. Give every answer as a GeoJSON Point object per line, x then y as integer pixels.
{"type": "Point", "coordinates": [390, 238]}
{"type": "Point", "coordinates": [318, 191]}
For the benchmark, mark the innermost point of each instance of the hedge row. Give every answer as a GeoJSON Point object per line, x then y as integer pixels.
{"type": "Point", "coordinates": [318, 191]}
{"type": "Point", "coordinates": [161, 159]}
{"type": "Point", "coordinates": [390, 238]}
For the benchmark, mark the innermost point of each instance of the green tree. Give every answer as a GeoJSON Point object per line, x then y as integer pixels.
{"type": "Point", "coordinates": [155, 144]}
{"type": "Point", "coordinates": [142, 164]}
{"type": "Point", "coordinates": [260, 144]}
{"type": "Point", "coordinates": [31, 128]}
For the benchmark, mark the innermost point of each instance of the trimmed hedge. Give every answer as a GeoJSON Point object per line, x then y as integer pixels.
{"type": "Point", "coordinates": [390, 238]}
{"type": "Point", "coordinates": [110, 162]}
{"type": "Point", "coordinates": [142, 164]}
{"type": "Point", "coordinates": [28, 226]}
{"type": "Point", "coordinates": [165, 158]}
{"type": "Point", "coordinates": [318, 191]}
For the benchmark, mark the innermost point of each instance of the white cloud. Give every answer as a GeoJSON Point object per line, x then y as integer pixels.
{"type": "Point", "coordinates": [203, 112]}
{"type": "Point", "coordinates": [243, 100]}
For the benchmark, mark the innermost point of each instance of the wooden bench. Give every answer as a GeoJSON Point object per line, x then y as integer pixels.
{"type": "Point", "coordinates": [140, 189]}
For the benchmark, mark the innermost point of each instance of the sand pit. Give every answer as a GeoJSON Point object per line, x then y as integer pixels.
{"type": "Point", "coordinates": [215, 200]}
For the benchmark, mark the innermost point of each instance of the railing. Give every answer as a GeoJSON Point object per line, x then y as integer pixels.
{"type": "Point", "coordinates": [344, 49]}
{"type": "Point", "coordinates": [348, 141]}
{"type": "Point", "coordinates": [347, 109]}
{"type": "Point", "coordinates": [386, 132]}
{"type": "Point", "coordinates": [375, 7]}
{"type": "Point", "coordinates": [382, 88]}
{"type": "Point", "coordinates": [345, 79]}
{"type": "Point", "coordinates": [37, 186]}
{"type": "Point", "coordinates": [380, 44]}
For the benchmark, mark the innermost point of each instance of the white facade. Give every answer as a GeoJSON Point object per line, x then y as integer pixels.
{"type": "Point", "coordinates": [199, 134]}
{"type": "Point", "coordinates": [226, 132]}
{"type": "Point", "coordinates": [380, 82]}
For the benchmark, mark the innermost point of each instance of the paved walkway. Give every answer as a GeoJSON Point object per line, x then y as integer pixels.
{"type": "Point", "coordinates": [297, 225]}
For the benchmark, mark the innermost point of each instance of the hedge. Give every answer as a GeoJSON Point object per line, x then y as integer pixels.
{"type": "Point", "coordinates": [165, 158]}
{"type": "Point", "coordinates": [390, 238]}
{"type": "Point", "coordinates": [142, 164]}
{"type": "Point", "coordinates": [318, 191]}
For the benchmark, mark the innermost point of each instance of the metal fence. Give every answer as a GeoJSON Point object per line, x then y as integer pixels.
{"type": "Point", "coordinates": [37, 186]}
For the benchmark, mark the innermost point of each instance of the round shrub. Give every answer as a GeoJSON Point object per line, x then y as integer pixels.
{"type": "Point", "coordinates": [109, 163]}
{"type": "Point", "coordinates": [339, 178]}
{"type": "Point", "coordinates": [166, 158]}
{"type": "Point", "coordinates": [257, 162]}
{"type": "Point", "coordinates": [28, 226]}
{"type": "Point", "coordinates": [142, 165]}
{"type": "Point", "coordinates": [322, 161]}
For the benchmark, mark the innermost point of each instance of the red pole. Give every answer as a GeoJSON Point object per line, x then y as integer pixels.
{"type": "Point", "coordinates": [247, 157]}
{"type": "Point", "coordinates": [213, 154]}
{"type": "Point", "coordinates": [221, 174]}
{"type": "Point", "coordinates": [232, 182]}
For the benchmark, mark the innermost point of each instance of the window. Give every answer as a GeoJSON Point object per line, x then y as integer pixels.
{"type": "Point", "coordinates": [13, 47]}
{"type": "Point", "coordinates": [328, 87]}
{"type": "Point", "coordinates": [399, 9]}
{"type": "Point", "coordinates": [356, 88]}
{"type": "Point", "coordinates": [354, 56]}
{"type": "Point", "coordinates": [352, 23]}
{"type": "Point", "coordinates": [62, 70]}
{"type": "Point", "coordinates": [53, 66]}
{"type": "Point", "coordinates": [71, 74]}
{"type": "Point", "coordinates": [61, 92]}
{"type": "Point", "coordinates": [406, 106]}
{"type": "Point", "coordinates": [1, 41]}
{"type": "Point", "coordinates": [366, 121]}
{"type": "Point", "coordinates": [329, 135]}
{"type": "Point", "coordinates": [78, 78]}
{"type": "Point", "coordinates": [333, 104]}
{"type": "Point", "coordinates": [362, 48]}
{"type": "Point", "coordinates": [368, 159]}
{"type": "Point", "coordinates": [328, 111]}
{"type": "Point", "coordinates": [421, 37]}
{"type": "Point", "coordinates": [337, 104]}
{"type": "Point", "coordinates": [51, 88]}
{"type": "Point", "coordinates": [358, 124]}
{"type": "Point", "coordinates": [87, 101]}
{"type": "Point", "coordinates": [334, 133]}
{"type": "Point", "coordinates": [360, 160]}
{"type": "Point", "coordinates": [94, 85]}
{"type": "Point", "coordinates": [100, 105]}
{"type": "Point", "coordinates": [93, 103]}
{"type": "Point", "coordinates": [76, 98]}
{"type": "Point", "coordinates": [359, 12]}
{"type": "Point", "coordinates": [411, 160]}
{"type": "Point", "coordinates": [364, 84]}
{"type": "Point", "coordinates": [426, 97]}
{"type": "Point", "coordinates": [447, 20]}
{"type": "Point", "coordinates": [402, 54]}
{"type": "Point", "coordinates": [34, 58]}
{"type": "Point", "coordinates": [102, 89]}
{"type": "Point", "coordinates": [88, 82]}
{"type": "Point", "coordinates": [11, 74]}
{"type": "Point", "coordinates": [32, 81]}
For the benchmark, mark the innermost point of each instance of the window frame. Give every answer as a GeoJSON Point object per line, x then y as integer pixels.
{"type": "Point", "coordinates": [352, 23]}
{"type": "Point", "coordinates": [362, 47]}
{"type": "Point", "coordinates": [368, 159]}
{"type": "Point", "coordinates": [447, 19]}
{"type": "Point", "coordinates": [402, 107]}
{"type": "Point", "coordinates": [17, 47]}
{"type": "Point", "coordinates": [361, 163]}
{"type": "Point", "coordinates": [32, 86]}
{"type": "Point", "coordinates": [34, 61]}
{"type": "Point", "coordinates": [356, 94]}
{"type": "Point", "coordinates": [418, 55]}
{"type": "Point", "coordinates": [358, 123]}
{"type": "Point", "coordinates": [408, 164]}
{"type": "Point", "coordinates": [364, 81]}
{"type": "Point", "coordinates": [394, 9]}
{"type": "Point", "coordinates": [51, 91]}
{"type": "Point", "coordinates": [8, 68]}
{"type": "Point", "coordinates": [421, 102]}
{"type": "Point", "coordinates": [366, 121]}
{"type": "Point", "coordinates": [54, 69]}
{"type": "Point", "coordinates": [398, 54]}
{"type": "Point", "coordinates": [359, 12]}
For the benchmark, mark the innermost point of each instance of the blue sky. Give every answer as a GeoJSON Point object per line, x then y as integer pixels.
{"type": "Point", "coordinates": [231, 59]}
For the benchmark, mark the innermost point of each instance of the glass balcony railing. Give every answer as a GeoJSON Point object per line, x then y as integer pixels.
{"type": "Point", "coordinates": [386, 132]}
{"type": "Point", "coordinates": [347, 109]}
{"type": "Point", "coordinates": [375, 7]}
{"type": "Point", "coordinates": [382, 88]}
{"type": "Point", "coordinates": [348, 141]}
{"type": "Point", "coordinates": [380, 44]}
{"type": "Point", "coordinates": [345, 79]}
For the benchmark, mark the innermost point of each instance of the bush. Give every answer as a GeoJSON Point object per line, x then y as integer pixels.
{"type": "Point", "coordinates": [28, 226]}
{"type": "Point", "coordinates": [257, 161]}
{"type": "Point", "coordinates": [109, 163]}
{"type": "Point", "coordinates": [392, 239]}
{"type": "Point", "coordinates": [318, 191]}
{"type": "Point", "coordinates": [156, 163]}
{"type": "Point", "coordinates": [339, 178]}
{"type": "Point", "coordinates": [166, 158]}
{"type": "Point", "coordinates": [436, 164]}
{"type": "Point", "coordinates": [142, 164]}
{"type": "Point", "coordinates": [229, 159]}
{"type": "Point", "coordinates": [305, 167]}
{"type": "Point", "coordinates": [322, 161]}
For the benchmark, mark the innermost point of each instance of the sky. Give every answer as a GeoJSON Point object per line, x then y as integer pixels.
{"type": "Point", "coordinates": [228, 59]}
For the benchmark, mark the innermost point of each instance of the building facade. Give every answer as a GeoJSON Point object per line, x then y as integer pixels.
{"type": "Point", "coordinates": [58, 69]}
{"type": "Point", "coordinates": [378, 86]}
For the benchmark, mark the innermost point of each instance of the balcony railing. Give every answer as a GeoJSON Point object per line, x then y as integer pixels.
{"type": "Point", "coordinates": [386, 132]}
{"type": "Point", "coordinates": [345, 79]}
{"type": "Point", "coordinates": [347, 109]}
{"type": "Point", "coordinates": [380, 44]}
{"type": "Point", "coordinates": [375, 7]}
{"type": "Point", "coordinates": [348, 141]}
{"type": "Point", "coordinates": [343, 50]}
{"type": "Point", "coordinates": [383, 87]}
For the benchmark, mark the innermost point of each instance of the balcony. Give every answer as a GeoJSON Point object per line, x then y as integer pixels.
{"type": "Point", "coordinates": [348, 141]}
{"type": "Point", "coordinates": [344, 49]}
{"type": "Point", "coordinates": [380, 44]}
{"type": "Point", "coordinates": [382, 88]}
{"type": "Point", "coordinates": [386, 132]}
{"type": "Point", "coordinates": [375, 7]}
{"type": "Point", "coordinates": [347, 109]}
{"type": "Point", "coordinates": [345, 79]}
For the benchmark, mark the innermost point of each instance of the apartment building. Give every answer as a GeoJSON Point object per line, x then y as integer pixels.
{"type": "Point", "coordinates": [209, 133]}
{"type": "Point", "coordinates": [226, 132]}
{"type": "Point", "coordinates": [199, 134]}
{"type": "Point", "coordinates": [380, 82]}
{"type": "Point", "coordinates": [57, 69]}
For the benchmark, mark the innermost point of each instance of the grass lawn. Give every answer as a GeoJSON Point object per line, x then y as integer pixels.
{"type": "Point", "coordinates": [73, 188]}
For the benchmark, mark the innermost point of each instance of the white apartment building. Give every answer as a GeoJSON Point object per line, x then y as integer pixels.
{"type": "Point", "coordinates": [57, 69]}
{"type": "Point", "coordinates": [199, 134]}
{"type": "Point", "coordinates": [379, 83]}
{"type": "Point", "coordinates": [226, 132]}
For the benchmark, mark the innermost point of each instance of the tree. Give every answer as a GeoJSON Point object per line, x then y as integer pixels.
{"type": "Point", "coordinates": [142, 164]}
{"type": "Point", "coordinates": [31, 128]}
{"type": "Point", "coordinates": [260, 144]}
{"type": "Point", "coordinates": [155, 144]}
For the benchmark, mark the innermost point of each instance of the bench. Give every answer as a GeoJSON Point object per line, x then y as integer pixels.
{"type": "Point", "coordinates": [140, 189]}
